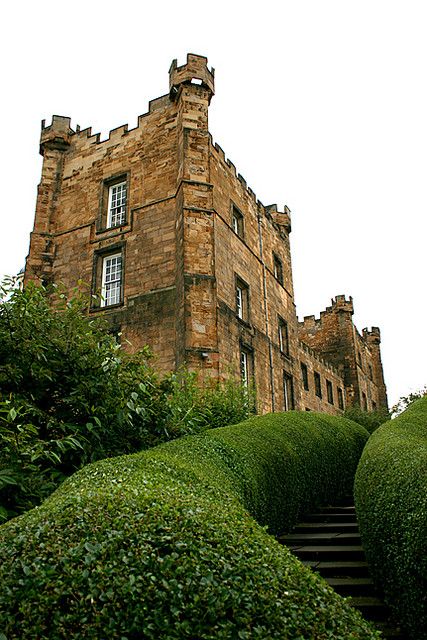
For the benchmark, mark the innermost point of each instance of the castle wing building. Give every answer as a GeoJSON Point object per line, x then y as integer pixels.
{"type": "Point", "coordinates": [180, 255]}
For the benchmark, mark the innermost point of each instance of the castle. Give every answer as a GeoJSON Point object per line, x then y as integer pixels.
{"type": "Point", "coordinates": [188, 260]}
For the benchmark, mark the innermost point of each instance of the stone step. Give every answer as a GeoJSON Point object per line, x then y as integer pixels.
{"type": "Point", "coordinates": [322, 538]}
{"type": "Point", "coordinates": [340, 509]}
{"type": "Point", "coordinates": [352, 585]}
{"type": "Point", "coordinates": [330, 517]}
{"type": "Point", "coordinates": [339, 527]}
{"type": "Point", "coordinates": [328, 552]}
{"type": "Point", "coordinates": [371, 607]}
{"type": "Point", "coordinates": [339, 569]}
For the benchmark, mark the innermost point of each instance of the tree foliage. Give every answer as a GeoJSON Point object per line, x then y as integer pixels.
{"type": "Point", "coordinates": [371, 420]}
{"type": "Point", "coordinates": [404, 402]}
{"type": "Point", "coordinates": [69, 394]}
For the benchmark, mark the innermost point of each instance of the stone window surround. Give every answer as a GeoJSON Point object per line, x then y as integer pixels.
{"type": "Point", "coordinates": [104, 200]}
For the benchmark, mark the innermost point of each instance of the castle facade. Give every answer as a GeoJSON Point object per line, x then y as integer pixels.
{"type": "Point", "coordinates": [187, 260]}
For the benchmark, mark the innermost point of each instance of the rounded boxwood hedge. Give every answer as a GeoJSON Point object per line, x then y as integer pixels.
{"type": "Point", "coordinates": [162, 544]}
{"type": "Point", "coordinates": [391, 504]}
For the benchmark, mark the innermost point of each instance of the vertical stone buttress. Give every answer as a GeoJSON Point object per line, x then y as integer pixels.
{"type": "Point", "coordinates": [192, 87]}
{"type": "Point", "coordinates": [373, 339]}
{"type": "Point", "coordinates": [54, 143]}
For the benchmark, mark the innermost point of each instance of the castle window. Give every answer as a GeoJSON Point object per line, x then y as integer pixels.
{"type": "Point", "coordinates": [359, 358]}
{"type": "Point", "coordinates": [283, 336]}
{"type": "Point", "coordinates": [340, 398]}
{"type": "Point", "coordinates": [304, 373]}
{"type": "Point", "coordinates": [278, 269]}
{"type": "Point", "coordinates": [317, 385]}
{"type": "Point", "coordinates": [116, 204]}
{"type": "Point", "coordinates": [329, 392]}
{"type": "Point", "coordinates": [237, 221]}
{"type": "Point", "coordinates": [370, 372]}
{"type": "Point", "coordinates": [374, 406]}
{"type": "Point", "coordinates": [242, 300]}
{"type": "Point", "coordinates": [246, 366]}
{"type": "Point", "coordinates": [364, 402]}
{"type": "Point", "coordinates": [288, 391]}
{"type": "Point", "coordinates": [112, 279]}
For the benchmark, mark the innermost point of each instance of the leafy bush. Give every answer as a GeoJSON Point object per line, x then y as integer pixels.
{"type": "Point", "coordinates": [70, 395]}
{"type": "Point", "coordinates": [371, 420]}
{"type": "Point", "coordinates": [391, 503]}
{"type": "Point", "coordinates": [161, 545]}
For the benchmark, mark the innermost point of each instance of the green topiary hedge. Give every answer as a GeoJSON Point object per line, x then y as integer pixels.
{"type": "Point", "coordinates": [391, 503]}
{"type": "Point", "coordinates": [161, 544]}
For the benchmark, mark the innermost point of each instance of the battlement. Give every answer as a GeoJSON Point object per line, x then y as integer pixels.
{"type": "Point", "coordinates": [281, 218]}
{"type": "Point", "coordinates": [195, 71]}
{"type": "Point", "coordinates": [57, 135]}
{"type": "Point", "coordinates": [372, 336]}
{"type": "Point", "coordinates": [318, 358]}
{"type": "Point", "coordinates": [340, 303]}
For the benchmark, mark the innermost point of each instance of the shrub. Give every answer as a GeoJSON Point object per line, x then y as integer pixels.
{"type": "Point", "coordinates": [70, 395]}
{"type": "Point", "coordinates": [391, 503]}
{"type": "Point", "coordinates": [161, 545]}
{"type": "Point", "coordinates": [371, 420]}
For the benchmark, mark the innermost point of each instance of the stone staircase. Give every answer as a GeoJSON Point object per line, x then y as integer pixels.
{"type": "Point", "coordinates": [329, 543]}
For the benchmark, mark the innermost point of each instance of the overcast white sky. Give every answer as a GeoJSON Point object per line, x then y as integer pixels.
{"type": "Point", "coordinates": [320, 104]}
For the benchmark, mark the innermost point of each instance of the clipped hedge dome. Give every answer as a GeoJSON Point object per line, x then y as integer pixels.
{"type": "Point", "coordinates": [391, 504]}
{"type": "Point", "coordinates": [161, 544]}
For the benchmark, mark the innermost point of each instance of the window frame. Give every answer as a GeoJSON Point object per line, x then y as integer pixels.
{"type": "Point", "coordinates": [329, 392]}
{"type": "Point", "coordinates": [100, 258]}
{"type": "Point", "coordinates": [104, 221]}
{"type": "Point", "coordinates": [246, 366]}
{"type": "Point", "coordinates": [317, 384]}
{"type": "Point", "coordinates": [288, 392]}
{"type": "Point", "coordinates": [237, 221]}
{"type": "Point", "coordinates": [304, 374]}
{"type": "Point", "coordinates": [111, 206]}
{"type": "Point", "coordinates": [283, 328]}
{"type": "Point", "coordinates": [118, 257]}
{"type": "Point", "coordinates": [278, 269]}
{"type": "Point", "coordinates": [242, 299]}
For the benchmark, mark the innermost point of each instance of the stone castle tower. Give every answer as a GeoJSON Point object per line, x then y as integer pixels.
{"type": "Point", "coordinates": [187, 260]}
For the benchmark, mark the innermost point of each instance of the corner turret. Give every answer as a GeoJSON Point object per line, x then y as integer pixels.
{"type": "Point", "coordinates": [194, 72]}
{"type": "Point", "coordinates": [341, 304]}
{"type": "Point", "coordinates": [57, 135]}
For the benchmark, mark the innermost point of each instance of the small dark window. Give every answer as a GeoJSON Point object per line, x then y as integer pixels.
{"type": "Point", "coordinates": [370, 372]}
{"type": "Point", "coordinates": [278, 269]}
{"type": "Point", "coordinates": [359, 358]}
{"type": "Point", "coordinates": [364, 402]}
{"type": "Point", "coordinates": [242, 300]}
{"type": "Point", "coordinates": [329, 392]}
{"type": "Point", "coordinates": [304, 373]}
{"type": "Point", "coordinates": [237, 221]}
{"type": "Point", "coordinates": [288, 391]}
{"type": "Point", "coordinates": [317, 384]}
{"type": "Point", "coordinates": [283, 336]}
{"type": "Point", "coordinates": [374, 406]}
{"type": "Point", "coordinates": [340, 398]}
